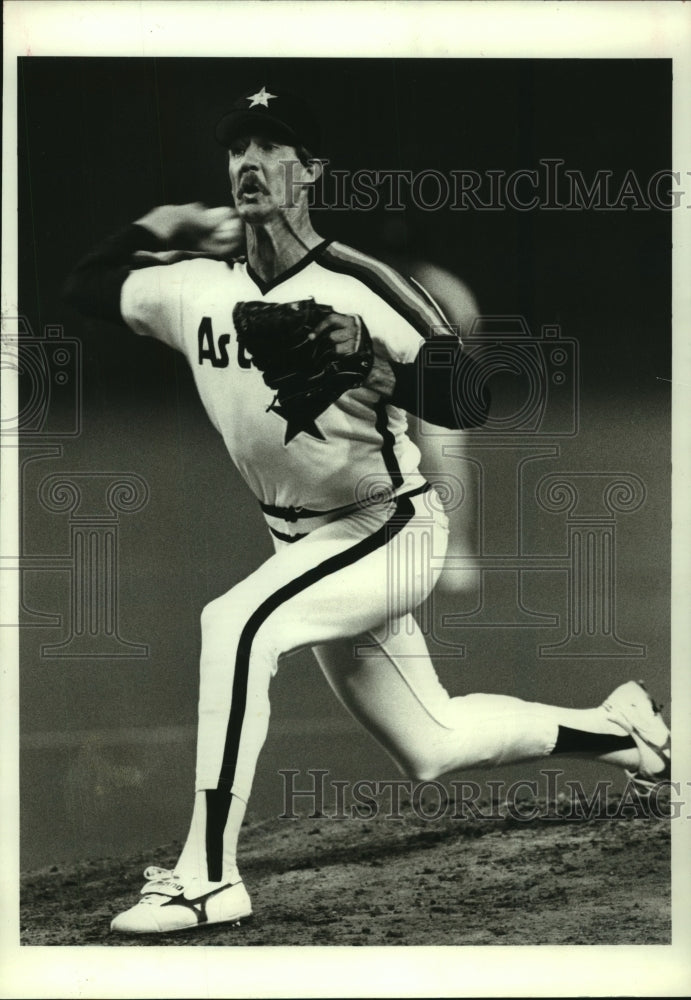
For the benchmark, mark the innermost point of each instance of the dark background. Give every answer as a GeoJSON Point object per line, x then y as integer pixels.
{"type": "Point", "coordinates": [103, 140]}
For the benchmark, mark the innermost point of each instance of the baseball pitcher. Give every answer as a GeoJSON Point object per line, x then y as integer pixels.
{"type": "Point", "coordinates": [307, 356]}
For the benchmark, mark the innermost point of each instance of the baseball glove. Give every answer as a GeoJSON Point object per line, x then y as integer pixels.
{"type": "Point", "coordinates": [307, 375]}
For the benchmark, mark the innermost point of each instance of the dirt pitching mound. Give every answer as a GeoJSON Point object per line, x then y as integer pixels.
{"type": "Point", "coordinates": [406, 881]}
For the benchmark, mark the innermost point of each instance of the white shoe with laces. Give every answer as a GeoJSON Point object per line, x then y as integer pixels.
{"type": "Point", "coordinates": [170, 904]}
{"type": "Point", "coordinates": [632, 708]}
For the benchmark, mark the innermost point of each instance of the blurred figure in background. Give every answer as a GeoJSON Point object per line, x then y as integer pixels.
{"type": "Point", "coordinates": [393, 244]}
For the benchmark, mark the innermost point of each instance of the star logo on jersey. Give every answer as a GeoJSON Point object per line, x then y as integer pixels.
{"type": "Point", "coordinates": [261, 98]}
{"type": "Point", "coordinates": [300, 417]}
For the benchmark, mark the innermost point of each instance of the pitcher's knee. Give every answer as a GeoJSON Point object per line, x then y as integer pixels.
{"type": "Point", "coordinates": [424, 766]}
{"type": "Point", "coordinates": [231, 610]}
{"type": "Point", "coordinates": [212, 613]}
{"type": "Point", "coordinates": [267, 646]}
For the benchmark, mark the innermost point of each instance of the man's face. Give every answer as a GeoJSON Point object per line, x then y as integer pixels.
{"type": "Point", "coordinates": [264, 175]}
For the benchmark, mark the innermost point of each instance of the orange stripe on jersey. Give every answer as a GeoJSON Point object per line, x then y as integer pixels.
{"type": "Point", "coordinates": [393, 288]}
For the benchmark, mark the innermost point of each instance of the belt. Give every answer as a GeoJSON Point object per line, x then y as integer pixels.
{"type": "Point", "coordinates": [294, 514]}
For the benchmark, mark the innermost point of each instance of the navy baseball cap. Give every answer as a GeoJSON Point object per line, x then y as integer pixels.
{"type": "Point", "coordinates": [283, 115]}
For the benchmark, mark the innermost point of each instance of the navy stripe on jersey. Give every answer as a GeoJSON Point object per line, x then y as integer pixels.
{"type": "Point", "coordinates": [388, 284]}
{"type": "Point", "coordinates": [266, 286]}
{"type": "Point", "coordinates": [388, 452]}
{"type": "Point", "coordinates": [403, 513]}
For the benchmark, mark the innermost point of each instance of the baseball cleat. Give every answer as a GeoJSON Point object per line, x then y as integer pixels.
{"type": "Point", "coordinates": [632, 708]}
{"type": "Point", "coordinates": [169, 904]}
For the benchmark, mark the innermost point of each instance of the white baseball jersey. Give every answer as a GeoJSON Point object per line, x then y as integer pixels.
{"type": "Point", "coordinates": [360, 572]}
{"type": "Point", "coordinates": [360, 442]}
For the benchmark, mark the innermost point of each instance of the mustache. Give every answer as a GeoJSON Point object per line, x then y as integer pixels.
{"type": "Point", "coordinates": [249, 181]}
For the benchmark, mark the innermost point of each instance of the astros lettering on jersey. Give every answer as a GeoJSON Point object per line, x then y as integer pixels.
{"type": "Point", "coordinates": [189, 306]}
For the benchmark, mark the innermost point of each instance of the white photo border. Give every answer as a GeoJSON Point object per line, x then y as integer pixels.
{"type": "Point", "coordinates": [421, 29]}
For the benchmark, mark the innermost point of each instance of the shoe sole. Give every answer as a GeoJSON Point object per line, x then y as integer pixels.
{"type": "Point", "coordinates": [232, 922]}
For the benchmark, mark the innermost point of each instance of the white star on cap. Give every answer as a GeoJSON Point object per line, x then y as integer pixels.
{"type": "Point", "coordinates": [261, 97]}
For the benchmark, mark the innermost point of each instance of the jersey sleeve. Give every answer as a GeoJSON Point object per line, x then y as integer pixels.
{"type": "Point", "coordinates": [434, 378]}
{"type": "Point", "coordinates": [151, 302]}
{"type": "Point", "coordinates": [393, 336]}
{"type": "Point", "coordinates": [94, 285]}
{"type": "Point", "coordinates": [399, 314]}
